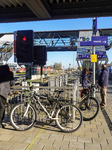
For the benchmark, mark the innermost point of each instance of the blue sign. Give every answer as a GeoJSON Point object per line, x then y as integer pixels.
{"type": "Point", "coordinates": [100, 40]}
{"type": "Point", "coordinates": [86, 43]}
{"type": "Point", "coordinates": [83, 56]}
{"type": "Point", "coordinates": [96, 40]}
{"type": "Point", "coordinates": [100, 54]}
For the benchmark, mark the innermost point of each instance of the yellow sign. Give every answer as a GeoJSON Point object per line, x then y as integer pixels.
{"type": "Point", "coordinates": [93, 58]}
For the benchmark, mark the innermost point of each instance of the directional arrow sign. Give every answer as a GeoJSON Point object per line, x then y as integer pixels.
{"type": "Point", "coordinates": [100, 40]}
{"type": "Point", "coordinates": [96, 40]}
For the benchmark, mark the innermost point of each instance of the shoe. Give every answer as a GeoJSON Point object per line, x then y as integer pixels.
{"type": "Point", "coordinates": [2, 125]}
{"type": "Point", "coordinates": [102, 106]}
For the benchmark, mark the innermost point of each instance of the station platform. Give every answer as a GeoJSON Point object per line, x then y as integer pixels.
{"type": "Point", "coordinates": [92, 135]}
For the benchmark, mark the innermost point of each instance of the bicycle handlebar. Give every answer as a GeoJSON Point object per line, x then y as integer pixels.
{"type": "Point", "coordinates": [92, 85]}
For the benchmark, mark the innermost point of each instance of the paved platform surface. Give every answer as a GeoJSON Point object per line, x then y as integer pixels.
{"type": "Point", "coordinates": [92, 135]}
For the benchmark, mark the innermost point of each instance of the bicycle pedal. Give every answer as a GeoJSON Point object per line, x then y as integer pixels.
{"type": "Point", "coordinates": [46, 119]}
{"type": "Point", "coordinates": [88, 107]}
{"type": "Point", "coordinates": [54, 118]}
{"type": "Point", "coordinates": [82, 108]}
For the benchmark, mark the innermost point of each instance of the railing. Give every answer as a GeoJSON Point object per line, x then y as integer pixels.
{"type": "Point", "coordinates": [58, 81]}
{"type": "Point", "coordinates": [23, 94]}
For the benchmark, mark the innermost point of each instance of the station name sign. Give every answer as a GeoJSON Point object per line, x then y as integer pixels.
{"type": "Point", "coordinates": [100, 54]}
{"type": "Point", "coordinates": [95, 41]}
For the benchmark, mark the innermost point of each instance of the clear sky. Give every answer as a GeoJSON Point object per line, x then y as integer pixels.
{"type": "Point", "coordinates": [65, 58]}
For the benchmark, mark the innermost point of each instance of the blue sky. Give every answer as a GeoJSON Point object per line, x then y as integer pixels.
{"type": "Point", "coordinates": [65, 58]}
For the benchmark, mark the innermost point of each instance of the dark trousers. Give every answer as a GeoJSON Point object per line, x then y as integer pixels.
{"type": "Point", "coordinates": [2, 108]}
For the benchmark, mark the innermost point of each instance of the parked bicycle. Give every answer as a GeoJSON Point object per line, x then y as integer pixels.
{"type": "Point", "coordinates": [68, 117]}
{"type": "Point", "coordinates": [89, 105]}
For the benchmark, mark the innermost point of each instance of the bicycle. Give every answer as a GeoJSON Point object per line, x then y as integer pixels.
{"type": "Point", "coordinates": [67, 117]}
{"type": "Point", "coordinates": [89, 105]}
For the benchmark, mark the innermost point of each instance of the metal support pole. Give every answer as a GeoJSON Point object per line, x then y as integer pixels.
{"type": "Point", "coordinates": [73, 61]}
{"type": "Point", "coordinates": [94, 70]}
{"type": "Point", "coordinates": [94, 34]}
{"type": "Point", "coordinates": [41, 73]}
{"type": "Point", "coordinates": [28, 72]}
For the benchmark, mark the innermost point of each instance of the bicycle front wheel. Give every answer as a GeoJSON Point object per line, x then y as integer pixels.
{"type": "Point", "coordinates": [91, 110]}
{"type": "Point", "coordinates": [69, 118]}
{"type": "Point", "coordinates": [17, 118]}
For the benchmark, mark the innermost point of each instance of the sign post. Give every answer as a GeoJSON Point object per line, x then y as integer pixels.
{"type": "Point", "coordinates": [95, 41]}
{"type": "Point", "coordinates": [94, 34]}
{"type": "Point", "coordinates": [15, 57]}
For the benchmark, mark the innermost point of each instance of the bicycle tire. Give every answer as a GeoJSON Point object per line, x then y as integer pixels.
{"type": "Point", "coordinates": [18, 121]}
{"type": "Point", "coordinates": [68, 121]}
{"type": "Point", "coordinates": [89, 113]}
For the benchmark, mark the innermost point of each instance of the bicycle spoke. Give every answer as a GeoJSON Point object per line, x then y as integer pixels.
{"type": "Point", "coordinates": [19, 121]}
{"type": "Point", "coordinates": [89, 112]}
{"type": "Point", "coordinates": [69, 118]}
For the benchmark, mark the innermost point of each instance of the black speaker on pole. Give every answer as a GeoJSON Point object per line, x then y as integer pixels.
{"type": "Point", "coordinates": [40, 55]}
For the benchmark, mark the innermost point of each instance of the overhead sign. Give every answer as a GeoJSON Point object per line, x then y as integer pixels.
{"type": "Point", "coordinates": [83, 56]}
{"type": "Point", "coordinates": [100, 40]}
{"type": "Point", "coordinates": [100, 54]}
{"type": "Point", "coordinates": [93, 58]}
{"type": "Point", "coordinates": [95, 41]}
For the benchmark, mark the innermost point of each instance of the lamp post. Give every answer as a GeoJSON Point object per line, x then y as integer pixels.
{"type": "Point", "coordinates": [52, 64]}
{"type": "Point", "coordinates": [69, 66]}
{"type": "Point", "coordinates": [63, 69]}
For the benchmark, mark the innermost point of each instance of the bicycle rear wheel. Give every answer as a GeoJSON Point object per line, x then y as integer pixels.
{"type": "Point", "coordinates": [20, 122]}
{"type": "Point", "coordinates": [91, 111]}
{"type": "Point", "coordinates": [69, 118]}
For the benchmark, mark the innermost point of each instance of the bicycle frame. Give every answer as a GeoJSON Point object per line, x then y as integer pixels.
{"type": "Point", "coordinates": [89, 94]}
{"type": "Point", "coordinates": [68, 117]}
{"type": "Point", "coordinates": [37, 100]}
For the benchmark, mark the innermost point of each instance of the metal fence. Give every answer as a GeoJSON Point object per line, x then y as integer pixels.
{"type": "Point", "coordinates": [58, 81]}
{"type": "Point", "coordinates": [23, 94]}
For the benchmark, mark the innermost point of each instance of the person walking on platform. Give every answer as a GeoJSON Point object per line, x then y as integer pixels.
{"type": "Point", "coordinates": [103, 83]}
{"type": "Point", "coordinates": [6, 80]}
{"type": "Point", "coordinates": [85, 77]}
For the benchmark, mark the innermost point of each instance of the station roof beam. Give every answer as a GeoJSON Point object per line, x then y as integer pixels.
{"type": "Point", "coordinates": [35, 10]}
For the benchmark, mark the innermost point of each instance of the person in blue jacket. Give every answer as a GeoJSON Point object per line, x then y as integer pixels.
{"type": "Point", "coordinates": [103, 83]}
{"type": "Point", "coordinates": [85, 77]}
